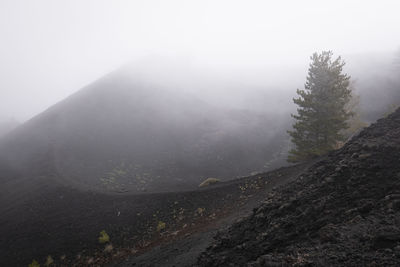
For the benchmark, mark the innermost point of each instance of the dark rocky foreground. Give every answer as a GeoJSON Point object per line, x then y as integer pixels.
{"type": "Point", "coordinates": [247, 193]}
{"type": "Point", "coordinates": [65, 223]}
{"type": "Point", "coordinates": [344, 211]}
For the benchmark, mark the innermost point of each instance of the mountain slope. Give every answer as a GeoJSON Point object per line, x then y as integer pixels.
{"type": "Point", "coordinates": [65, 223]}
{"type": "Point", "coordinates": [125, 134]}
{"type": "Point", "coordinates": [112, 157]}
{"type": "Point", "coordinates": [344, 211]}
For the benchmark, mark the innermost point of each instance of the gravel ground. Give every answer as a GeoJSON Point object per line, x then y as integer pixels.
{"type": "Point", "coordinates": [343, 211]}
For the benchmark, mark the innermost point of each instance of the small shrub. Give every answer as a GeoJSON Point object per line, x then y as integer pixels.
{"type": "Point", "coordinates": [160, 226]}
{"type": "Point", "coordinates": [104, 237]}
{"type": "Point", "coordinates": [209, 181]}
{"type": "Point", "coordinates": [34, 264]}
{"type": "Point", "coordinates": [49, 261]}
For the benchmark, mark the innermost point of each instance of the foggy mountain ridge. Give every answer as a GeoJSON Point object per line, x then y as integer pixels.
{"type": "Point", "coordinates": [127, 134]}
{"type": "Point", "coordinates": [141, 112]}
{"type": "Point", "coordinates": [181, 133]}
{"type": "Point", "coordinates": [131, 134]}
{"type": "Point", "coordinates": [128, 152]}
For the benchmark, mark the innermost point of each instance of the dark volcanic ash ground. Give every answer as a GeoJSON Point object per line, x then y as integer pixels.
{"type": "Point", "coordinates": [344, 211]}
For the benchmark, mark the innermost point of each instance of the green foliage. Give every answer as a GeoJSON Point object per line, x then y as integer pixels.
{"type": "Point", "coordinates": [49, 261]}
{"type": "Point", "coordinates": [104, 237]}
{"type": "Point", "coordinates": [161, 226]}
{"type": "Point", "coordinates": [34, 264]}
{"type": "Point", "coordinates": [322, 112]}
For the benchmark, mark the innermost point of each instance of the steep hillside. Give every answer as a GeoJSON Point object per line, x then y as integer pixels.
{"type": "Point", "coordinates": [120, 155]}
{"type": "Point", "coordinates": [344, 211]}
{"type": "Point", "coordinates": [125, 134]}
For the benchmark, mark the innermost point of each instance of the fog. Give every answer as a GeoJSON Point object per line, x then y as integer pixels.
{"type": "Point", "coordinates": [223, 51]}
{"type": "Point", "coordinates": [154, 121]}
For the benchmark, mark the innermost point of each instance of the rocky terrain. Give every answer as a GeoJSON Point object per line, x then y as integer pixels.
{"type": "Point", "coordinates": [247, 193]}
{"type": "Point", "coordinates": [343, 211]}
{"type": "Point", "coordinates": [65, 223]}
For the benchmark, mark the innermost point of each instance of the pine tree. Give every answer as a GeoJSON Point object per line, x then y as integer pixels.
{"type": "Point", "coordinates": [322, 113]}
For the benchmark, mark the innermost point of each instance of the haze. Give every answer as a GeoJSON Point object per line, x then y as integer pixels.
{"type": "Point", "coordinates": [50, 49]}
{"type": "Point", "coordinates": [177, 133]}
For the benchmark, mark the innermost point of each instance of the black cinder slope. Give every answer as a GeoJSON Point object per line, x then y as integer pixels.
{"type": "Point", "coordinates": [344, 211]}
{"type": "Point", "coordinates": [124, 134]}
{"type": "Point", "coordinates": [70, 172]}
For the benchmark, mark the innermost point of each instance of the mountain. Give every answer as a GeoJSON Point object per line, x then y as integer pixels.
{"type": "Point", "coordinates": [121, 145]}
{"type": "Point", "coordinates": [343, 211]}
{"type": "Point", "coordinates": [123, 133]}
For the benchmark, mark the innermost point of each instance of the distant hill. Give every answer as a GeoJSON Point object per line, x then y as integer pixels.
{"type": "Point", "coordinates": [122, 133]}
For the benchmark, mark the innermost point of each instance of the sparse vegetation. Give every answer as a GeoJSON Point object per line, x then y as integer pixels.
{"type": "Point", "coordinates": [104, 237]}
{"type": "Point", "coordinates": [161, 226]}
{"type": "Point", "coordinates": [209, 181]}
{"type": "Point", "coordinates": [34, 264]}
{"type": "Point", "coordinates": [49, 261]}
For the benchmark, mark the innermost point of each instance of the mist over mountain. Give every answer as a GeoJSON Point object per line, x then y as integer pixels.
{"type": "Point", "coordinates": [125, 133]}
{"type": "Point", "coordinates": [132, 132]}
{"type": "Point", "coordinates": [157, 126]}
{"type": "Point", "coordinates": [7, 125]}
{"type": "Point", "coordinates": [376, 80]}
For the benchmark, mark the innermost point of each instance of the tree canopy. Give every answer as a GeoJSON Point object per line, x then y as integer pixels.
{"type": "Point", "coordinates": [321, 114]}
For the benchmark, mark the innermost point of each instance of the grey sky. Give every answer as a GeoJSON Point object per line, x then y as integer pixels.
{"type": "Point", "coordinates": [51, 48]}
